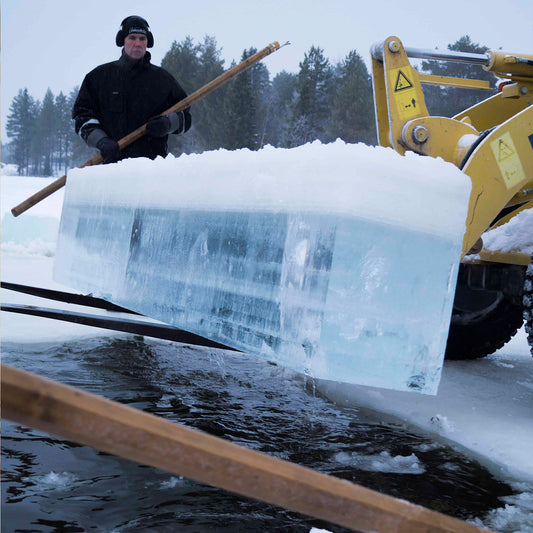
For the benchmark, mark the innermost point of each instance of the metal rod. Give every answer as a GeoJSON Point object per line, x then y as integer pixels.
{"type": "Point", "coordinates": [449, 55]}
{"type": "Point", "coordinates": [437, 55]}
{"type": "Point", "coordinates": [125, 325]}
{"type": "Point", "coordinates": [67, 297]}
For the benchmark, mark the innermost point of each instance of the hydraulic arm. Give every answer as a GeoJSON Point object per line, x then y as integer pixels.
{"type": "Point", "coordinates": [492, 142]}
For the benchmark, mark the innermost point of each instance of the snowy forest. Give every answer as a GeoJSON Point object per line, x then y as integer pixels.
{"type": "Point", "coordinates": [323, 101]}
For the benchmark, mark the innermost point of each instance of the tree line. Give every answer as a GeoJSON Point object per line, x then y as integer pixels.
{"type": "Point", "coordinates": [322, 101]}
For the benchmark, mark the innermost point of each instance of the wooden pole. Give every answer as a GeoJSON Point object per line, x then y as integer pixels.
{"type": "Point", "coordinates": [121, 430]}
{"type": "Point", "coordinates": [139, 132]}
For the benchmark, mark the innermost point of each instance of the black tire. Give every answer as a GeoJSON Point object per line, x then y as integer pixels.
{"type": "Point", "coordinates": [482, 322]}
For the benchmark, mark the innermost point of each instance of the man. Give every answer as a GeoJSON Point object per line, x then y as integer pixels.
{"type": "Point", "coordinates": [118, 97]}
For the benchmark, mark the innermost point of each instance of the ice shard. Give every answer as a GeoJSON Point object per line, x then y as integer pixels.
{"type": "Point", "coordinates": [339, 261]}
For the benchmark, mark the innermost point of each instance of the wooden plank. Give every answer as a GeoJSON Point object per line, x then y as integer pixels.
{"type": "Point", "coordinates": [121, 430]}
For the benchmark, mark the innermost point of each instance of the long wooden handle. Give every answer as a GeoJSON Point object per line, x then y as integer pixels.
{"type": "Point", "coordinates": [140, 131]}
{"type": "Point", "coordinates": [121, 430]}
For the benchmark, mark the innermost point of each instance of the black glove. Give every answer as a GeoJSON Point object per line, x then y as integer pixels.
{"type": "Point", "coordinates": [158, 126]}
{"type": "Point", "coordinates": [109, 149]}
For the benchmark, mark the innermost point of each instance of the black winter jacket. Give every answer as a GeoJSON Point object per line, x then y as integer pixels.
{"type": "Point", "coordinates": [120, 96]}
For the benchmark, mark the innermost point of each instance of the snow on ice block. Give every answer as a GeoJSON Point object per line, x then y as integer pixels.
{"type": "Point", "coordinates": [339, 261]}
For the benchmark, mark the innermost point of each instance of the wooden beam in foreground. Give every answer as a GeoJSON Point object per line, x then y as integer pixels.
{"type": "Point", "coordinates": [120, 430]}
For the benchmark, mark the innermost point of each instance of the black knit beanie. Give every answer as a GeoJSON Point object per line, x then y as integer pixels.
{"type": "Point", "coordinates": [134, 24]}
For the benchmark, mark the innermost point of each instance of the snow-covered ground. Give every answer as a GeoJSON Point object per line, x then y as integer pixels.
{"type": "Point", "coordinates": [483, 406]}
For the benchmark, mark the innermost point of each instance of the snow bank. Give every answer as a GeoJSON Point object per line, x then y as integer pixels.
{"type": "Point", "coordinates": [8, 170]}
{"type": "Point", "coordinates": [514, 236]}
{"type": "Point", "coordinates": [34, 233]}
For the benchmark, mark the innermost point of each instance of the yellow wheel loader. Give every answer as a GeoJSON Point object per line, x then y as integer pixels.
{"type": "Point", "coordinates": [491, 142]}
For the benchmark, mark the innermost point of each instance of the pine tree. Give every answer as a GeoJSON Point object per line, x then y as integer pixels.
{"type": "Point", "coordinates": [63, 132]}
{"type": "Point", "coordinates": [312, 109]}
{"type": "Point", "coordinates": [79, 151]}
{"type": "Point", "coordinates": [240, 113]}
{"type": "Point", "coordinates": [194, 66]}
{"type": "Point", "coordinates": [448, 101]}
{"type": "Point", "coordinates": [353, 107]}
{"type": "Point", "coordinates": [280, 105]}
{"type": "Point", "coordinates": [36, 151]}
{"type": "Point", "coordinates": [245, 106]}
{"type": "Point", "coordinates": [20, 126]}
{"type": "Point", "coordinates": [209, 117]}
{"type": "Point", "coordinates": [183, 63]}
{"type": "Point", "coordinates": [45, 138]}
{"type": "Point", "coordinates": [261, 88]}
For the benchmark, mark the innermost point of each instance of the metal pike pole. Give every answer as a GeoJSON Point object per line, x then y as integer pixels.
{"type": "Point", "coordinates": [139, 132]}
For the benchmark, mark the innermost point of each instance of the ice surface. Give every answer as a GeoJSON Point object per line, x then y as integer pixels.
{"type": "Point", "coordinates": [335, 260]}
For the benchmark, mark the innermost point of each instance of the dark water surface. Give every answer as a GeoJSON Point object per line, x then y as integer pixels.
{"type": "Point", "coordinates": [52, 485]}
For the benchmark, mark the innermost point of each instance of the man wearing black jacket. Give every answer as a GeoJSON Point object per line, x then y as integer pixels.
{"type": "Point", "coordinates": [118, 97]}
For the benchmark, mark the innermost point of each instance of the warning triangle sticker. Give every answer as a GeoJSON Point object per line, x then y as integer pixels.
{"type": "Point", "coordinates": [402, 82]}
{"type": "Point", "coordinates": [504, 150]}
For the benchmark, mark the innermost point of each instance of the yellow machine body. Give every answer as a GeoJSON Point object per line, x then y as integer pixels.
{"type": "Point", "coordinates": [492, 142]}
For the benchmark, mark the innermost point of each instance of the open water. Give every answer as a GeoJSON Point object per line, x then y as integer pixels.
{"type": "Point", "coordinates": [53, 485]}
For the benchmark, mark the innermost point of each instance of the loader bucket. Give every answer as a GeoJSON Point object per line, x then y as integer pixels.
{"type": "Point", "coordinates": [338, 261]}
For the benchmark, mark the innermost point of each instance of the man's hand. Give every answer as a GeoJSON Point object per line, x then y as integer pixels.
{"type": "Point", "coordinates": [109, 149]}
{"type": "Point", "coordinates": [158, 126]}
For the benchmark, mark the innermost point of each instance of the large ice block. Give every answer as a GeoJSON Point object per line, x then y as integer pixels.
{"type": "Point", "coordinates": [337, 260]}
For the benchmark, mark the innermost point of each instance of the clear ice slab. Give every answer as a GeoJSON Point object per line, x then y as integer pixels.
{"type": "Point", "coordinates": [319, 259]}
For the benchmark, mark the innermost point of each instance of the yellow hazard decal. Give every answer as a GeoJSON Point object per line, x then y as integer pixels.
{"type": "Point", "coordinates": [402, 82]}
{"type": "Point", "coordinates": [508, 160]}
{"type": "Point", "coordinates": [404, 92]}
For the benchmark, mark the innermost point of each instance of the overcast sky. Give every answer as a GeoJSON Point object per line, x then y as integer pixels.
{"type": "Point", "coordinates": [54, 43]}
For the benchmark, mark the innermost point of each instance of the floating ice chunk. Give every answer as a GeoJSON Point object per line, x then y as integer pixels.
{"type": "Point", "coordinates": [383, 462]}
{"type": "Point", "coordinates": [442, 424]}
{"type": "Point", "coordinates": [54, 480]}
{"type": "Point", "coordinates": [172, 483]}
{"type": "Point", "coordinates": [515, 515]}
